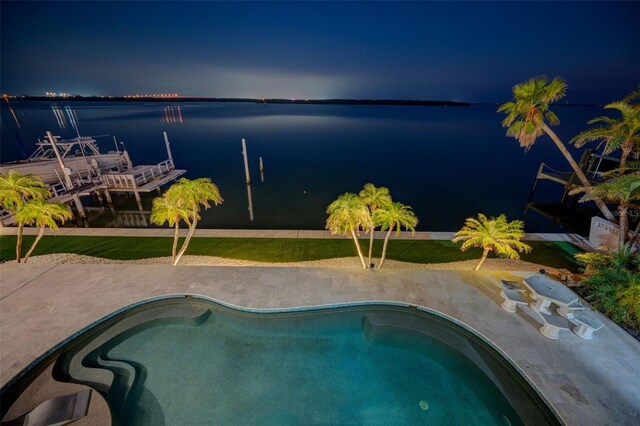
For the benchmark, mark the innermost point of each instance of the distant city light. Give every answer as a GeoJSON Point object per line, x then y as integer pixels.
{"type": "Point", "coordinates": [154, 95]}
{"type": "Point", "coordinates": [60, 95]}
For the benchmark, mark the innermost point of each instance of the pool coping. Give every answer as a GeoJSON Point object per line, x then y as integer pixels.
{"type": "Point", "coordinates": [306, 308]}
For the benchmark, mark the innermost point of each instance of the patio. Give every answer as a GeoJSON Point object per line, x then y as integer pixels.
{"type": "Point", "coordinates": [587, 382]}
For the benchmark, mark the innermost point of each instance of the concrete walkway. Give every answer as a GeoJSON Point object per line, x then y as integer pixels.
{"type": "Point", "coordinates": [588, 382]}
{"type": "Point", "coordinates": [268, 233]}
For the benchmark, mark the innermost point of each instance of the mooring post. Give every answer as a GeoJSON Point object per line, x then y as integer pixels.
{"type": "Point", "coordinates": [78, 203]}
{"type": "Point", "coordinates": [261, 170]}
{"type": "Point", "coordinates": [128, 160]}
{"type": "Point", "coordinates": [166, 142]}
{"type": "Point", "coordinates": [138, 199]}
{"type": "Point", "coordinates": [535, 184]}
{"type": "Point", "coordinates": [246, 161]}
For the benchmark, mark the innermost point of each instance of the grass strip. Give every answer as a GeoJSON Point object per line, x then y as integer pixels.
{"type": "Point", "coordinates": [276, 250]}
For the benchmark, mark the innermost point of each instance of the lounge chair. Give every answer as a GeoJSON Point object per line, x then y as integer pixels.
{"type": "Point", "coordinates": [56, 411]}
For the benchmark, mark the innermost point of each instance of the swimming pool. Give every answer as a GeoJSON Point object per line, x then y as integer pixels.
{"type": "Point", "coordinates": [193, 361]}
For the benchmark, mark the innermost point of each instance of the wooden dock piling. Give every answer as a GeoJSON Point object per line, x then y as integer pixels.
{"type": "Point", "coordinates": [246, 161]}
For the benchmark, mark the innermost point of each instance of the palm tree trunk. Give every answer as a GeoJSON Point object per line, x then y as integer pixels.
{"type": "Point", "coordinates": [384, 247]}
{"type": "Point", "coordinates": [371, 244]}
{"type": "Point", "coordinates": [634, 237]}
{"type": "Point", "coordinates": [19, 242]}
{"type": "Point", "coordinates": [482, 259]}
{"type": "Point", "coordinates": [192, 229]}
{"type": "Point", "coordinates": [578, 171]}
{"type": "Point", "coordinates": [622, 210]}
{"type": "Point", "coordinates": [355, 239]}
{"type": "Point", "coordinates": [626, 150]}
{"type": "Point", "coordinates": [33, 246]}
{"type": "Point", "coordinates": [176, 236]}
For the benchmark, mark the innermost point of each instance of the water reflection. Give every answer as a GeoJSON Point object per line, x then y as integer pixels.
{"type": "Point", "coordinates": [250, 198]}
{"type": "Point", "coordinates": [171, 114]}
{"type": "Point", "coordinates": [110, 218]}
{"type": "Point", "coordinates": [13, 114]}
{"type": "Point", "coordinates": [62, 114]}
{"type": "Point", "coordinates": [73, 118]}
{"type": "Point", "coordinates": [60, 117]}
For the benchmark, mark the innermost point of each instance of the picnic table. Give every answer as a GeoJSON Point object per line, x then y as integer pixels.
{"type": "Point", "coordinates": [546, 290]}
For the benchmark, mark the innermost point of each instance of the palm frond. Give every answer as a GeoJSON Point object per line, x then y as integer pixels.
{"type": "Point", "coordinates": [495, 234]}
{"type": "Point", "coordinates": [170, 210]}
{"type": "Point", "coordinates": [395, 215]}
{"type": "Point", "coordinates": [624, 188]}
{"type": "Point", "coordinates": [529, 111]}
{"type": "Point", "coordinates": [633, 96]}
{"type": "Point", "coordinates": [43, 214]}
{"type": "Point", "coordinates": [374, 197]}
{"type": "Point", "coordinates": [616, 133]}
{"type": "Point", "coordinates": [348, 214]}
{"type": "Point", "coordinates": [191, 194]}
{"type": "Point", "coordinates": [16, 188]}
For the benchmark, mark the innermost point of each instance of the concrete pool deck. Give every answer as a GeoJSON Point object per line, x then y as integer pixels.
{"type": "Point", "coordinates": [587, 382]}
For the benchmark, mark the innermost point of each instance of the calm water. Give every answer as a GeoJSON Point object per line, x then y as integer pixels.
{"type": "Point", "coordinates": [198, 363]}
{"type": "Point", "coordinates": [447, 163]}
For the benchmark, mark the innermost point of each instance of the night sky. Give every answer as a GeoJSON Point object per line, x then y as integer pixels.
{"type": "Point", "coordinates": [471, 51]}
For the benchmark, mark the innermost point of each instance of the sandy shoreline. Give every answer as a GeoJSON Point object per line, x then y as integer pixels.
{"type": "Point", "coordinates": [342, 262]}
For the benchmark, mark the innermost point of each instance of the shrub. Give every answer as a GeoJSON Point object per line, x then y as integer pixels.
{"type": "Point", "coordinates": [614, 284]}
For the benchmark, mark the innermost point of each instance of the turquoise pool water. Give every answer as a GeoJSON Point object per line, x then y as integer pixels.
{"type": "Point", "coordinates": [192, 362]}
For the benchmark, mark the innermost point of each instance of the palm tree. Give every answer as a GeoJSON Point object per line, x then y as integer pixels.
{"type": "Point", "coordinates": [527, 117]}
{"type": "Point", "coordinates": [494, 234]}
{"type": "Point", "coordinates": [347, 216]}
{"type": "Point", "coordinates": [169, 209]}
{"type": "Point", "coordinates": [191, 195]}
{"type": "Point", "coordinates": [622, 190]}
{"type": "Point", "coordinates": [374, 198]}
{"type": "Point", "coordinates": [15, 189]}
{"type": "Point", "coordinates": [43, 214]}
{"type": "Point", "coordinates": [622, 133]}
{"type": "Point", "coordinates": [394, 215]}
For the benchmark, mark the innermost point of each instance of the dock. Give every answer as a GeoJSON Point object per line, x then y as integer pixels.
{"type": "Point", "coordinates": [593, 166]}
{"type": "Point", "coordinates": [75, 168]}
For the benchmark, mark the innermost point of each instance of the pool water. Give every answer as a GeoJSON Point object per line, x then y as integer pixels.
{"type": "Point", "coordinates": [195, 362]}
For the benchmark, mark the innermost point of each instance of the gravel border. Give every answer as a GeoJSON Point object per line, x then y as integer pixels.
{"type": "Point", "coordinates": [341, 262]}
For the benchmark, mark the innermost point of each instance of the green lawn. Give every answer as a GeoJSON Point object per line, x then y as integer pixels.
{"type": "Point", "coordinates": [559, 255]}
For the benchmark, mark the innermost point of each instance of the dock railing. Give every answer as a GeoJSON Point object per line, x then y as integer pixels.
{"type": "Point", "coordinates": [119, 181]}
{"type": "Point", "coordinates": [139, 178]}
{"type": "Point", "coordinates": [56, 189]}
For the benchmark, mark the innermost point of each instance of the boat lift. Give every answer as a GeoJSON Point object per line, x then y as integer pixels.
{"type": "Point", "coordinates": [73, 168]}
